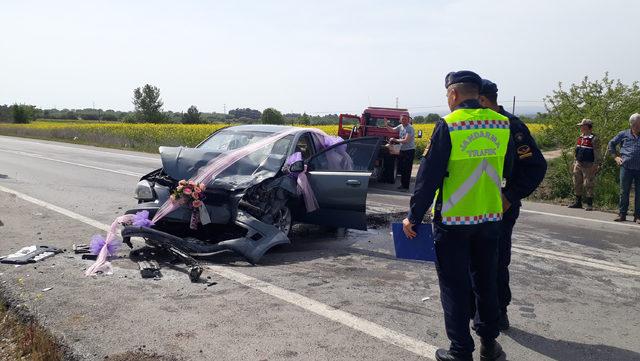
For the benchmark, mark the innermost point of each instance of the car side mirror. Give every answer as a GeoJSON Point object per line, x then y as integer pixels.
{"type": "Point", "coordinates": [296, 167]}
{"type": "Point", "coordinates": [419, 133]}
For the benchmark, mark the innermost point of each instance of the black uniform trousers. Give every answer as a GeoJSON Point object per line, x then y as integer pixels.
{"type": "Point", "coordinates": [504, 256]}
{"type": "Point", "coordinates": [462, 252]}
{"type": "Point", "coordinates": [405, 164]}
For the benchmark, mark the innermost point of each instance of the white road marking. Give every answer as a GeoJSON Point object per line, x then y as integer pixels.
{"type": "Point", "coordinates": [33, 155]}
{"type": "Point", "coordinates": [379, 204]}
{"type": "Point", "coordinates": [372, 329]}
{"type": "Point", "coordinates": [590, 220]}
{"type": "Point", "coordinates": [149, 158]}
{"type": "Point", "coordinates": [55, 208]}
{"type": "Point", "coordinates": [580, 258]}
{"type": "Point", "coordinates": [401, 340]}
{"type": "Point", "coordinates": [382, 333]}
{"type": "Point", "coordinates": [391, 192]}
{"type": "Point", "coordinates": [376, 192]}
{"type": "Point", "coordinates": [576, 261]}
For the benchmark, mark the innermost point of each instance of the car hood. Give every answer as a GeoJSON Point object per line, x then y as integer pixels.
{"type": "Point", "coordinates": [183, 163]}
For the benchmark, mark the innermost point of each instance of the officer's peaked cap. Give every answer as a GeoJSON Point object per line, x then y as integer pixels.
{"type": "Point", "coordinates": [488, 87]}
{"type": "Point", "coordinates": [462, 76]}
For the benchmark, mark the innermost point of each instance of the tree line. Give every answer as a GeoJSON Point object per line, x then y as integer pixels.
{"type": "Point", "coordinates": [149, 109]}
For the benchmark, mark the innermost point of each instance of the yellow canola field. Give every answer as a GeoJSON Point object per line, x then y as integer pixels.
{"type": "Point", "coordinates": [144, 137]}
{"type": "Point", "coordinates": [147, 137]}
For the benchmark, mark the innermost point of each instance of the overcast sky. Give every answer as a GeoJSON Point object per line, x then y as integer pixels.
{"type": "Point", "coordinates": [313, 56]}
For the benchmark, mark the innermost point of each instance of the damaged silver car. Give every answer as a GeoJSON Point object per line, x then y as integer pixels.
{"type": "Point", "coordinates": [254, 202]}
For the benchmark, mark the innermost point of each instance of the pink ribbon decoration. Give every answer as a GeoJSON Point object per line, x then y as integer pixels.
{"type": "Point", "coordinates": [101, 264]}
{"type": "Point", "coordinates": [205, 175]}
{"type": "Point", "coordinates": [219, 164]}
{"type": "Point", "coordinates": [304, 188]}
{"type": "Point", "coordinates": [302, 181]}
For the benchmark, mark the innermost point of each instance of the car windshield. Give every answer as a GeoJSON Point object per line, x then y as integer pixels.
{"type": "Point", "coordinates": [267, 159]}
{"type": "Point", "coordinates": [229, 139]}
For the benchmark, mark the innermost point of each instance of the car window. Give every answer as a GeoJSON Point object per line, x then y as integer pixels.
{"type": "Point", "coordinates": [305, 146]}
{"type": "Point", "coordinates": [270, 157]}
{"type": "Point", "coordinates": [355, 155]}
{"type": "Point", "coordinates": [379, 121]}
{"type": "Point", "coordinates": [229, 139]}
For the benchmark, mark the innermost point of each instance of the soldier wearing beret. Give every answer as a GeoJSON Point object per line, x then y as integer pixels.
{"type": "Point", "coordinates": [528, 172]}
{"type": "Point", "coordinates": [586, 166]}
{"type": "Point", "coordinates": [461, 174]}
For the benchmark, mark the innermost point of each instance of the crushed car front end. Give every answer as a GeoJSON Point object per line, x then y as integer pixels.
{"type": "Point", "coordinates": [248, 204]}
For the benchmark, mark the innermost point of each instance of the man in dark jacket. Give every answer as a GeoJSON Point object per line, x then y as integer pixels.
{"type": "Point", "coordinates": [529, 168]}
{"type": "Point", "coordinates": [469, 153]}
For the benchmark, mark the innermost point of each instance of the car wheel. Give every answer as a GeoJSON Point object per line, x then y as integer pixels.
{"type": "Point", "coordinates": [282, 220]}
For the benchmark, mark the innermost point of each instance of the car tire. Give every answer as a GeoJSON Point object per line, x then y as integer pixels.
{"type": "Point", "coordinates": [283, 220]}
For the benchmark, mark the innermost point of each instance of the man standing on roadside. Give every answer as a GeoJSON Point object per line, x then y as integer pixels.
{"type": "Point", "coordinates": [407, 149]}
{"type": "Point", "coordinates": [628, 159]}
{"type": "Point", "coordinates": [529, 168]}
{"type": "Point", "coordinates": [461, 174]}
{"type": "Point", "coordinates": [586, 165]}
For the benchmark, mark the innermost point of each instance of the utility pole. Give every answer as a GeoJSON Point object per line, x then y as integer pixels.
{"type": "Point", "coordinates": [224, 108]}
{"type": "Point", "coordinates": [396, 102]}
{"type": "Point", "coordinates": [513, 108]}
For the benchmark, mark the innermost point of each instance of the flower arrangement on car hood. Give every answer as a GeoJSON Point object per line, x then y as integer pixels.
{"type": "Point", "coordinates": [191, 195]}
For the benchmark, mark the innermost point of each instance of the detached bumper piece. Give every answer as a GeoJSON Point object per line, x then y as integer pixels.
{"type": "Point", "coordinates": [259, 239]}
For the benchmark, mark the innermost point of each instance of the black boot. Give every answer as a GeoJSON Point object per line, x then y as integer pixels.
{"type": "Point", "coordinates": [490, 350]}
{"type": "Point", "coordinates": [446, 355]}
{"type": "Point", "coordinates": [589, 204]}
{"type": "Point", "coordinates": [503, 322]}
{"type": "Point", "coordinates": [577, 203]}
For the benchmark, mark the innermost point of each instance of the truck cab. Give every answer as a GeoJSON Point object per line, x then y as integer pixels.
{"type": "Point", "coordinates": [371, 124]}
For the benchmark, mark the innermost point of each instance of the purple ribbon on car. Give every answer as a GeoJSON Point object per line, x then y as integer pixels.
{"type": "Point", "coordinates": [304, 188]}
{"type": "Point", "coordinates": [205, 175]}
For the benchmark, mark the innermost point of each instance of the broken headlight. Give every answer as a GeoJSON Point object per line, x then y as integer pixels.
{"type": "Point", "coordinates": [144, 192]}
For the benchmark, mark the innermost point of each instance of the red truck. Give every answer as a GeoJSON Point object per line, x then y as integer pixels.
{"type": "Point", "coordinates": [371, 123]}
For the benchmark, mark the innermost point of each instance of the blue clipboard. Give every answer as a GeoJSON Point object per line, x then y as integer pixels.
{"type": "Point", "coordinates": [420, 248]}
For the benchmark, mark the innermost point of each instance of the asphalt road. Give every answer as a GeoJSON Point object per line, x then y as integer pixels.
{"type": "Point", "coordinates": [328, 296]}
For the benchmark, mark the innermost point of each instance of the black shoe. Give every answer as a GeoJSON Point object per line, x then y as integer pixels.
{"type": "Point", "coordinates": [621, 218]}
{"type": "Point", "coordinates": [589, 204]}
{"type": "Point", "coordinates": [403, 188]}
{"type": "Point", "coordinates": [491, 351]}
{"type": "Point", "coordinates": [577, 203]}
{"type": "Point", "coordinates": [503, 322]}
{"type": "Point", "coordinates": [446, 355]}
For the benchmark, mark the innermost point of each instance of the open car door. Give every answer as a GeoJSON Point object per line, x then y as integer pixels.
{"type": "Point", "coordinates": [339, 177]}
{"type": "Point", "coordinates": [346, 125]}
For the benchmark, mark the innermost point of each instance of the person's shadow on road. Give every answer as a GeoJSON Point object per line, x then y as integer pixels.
{"type": "Point", "coordinates": [569, 351]}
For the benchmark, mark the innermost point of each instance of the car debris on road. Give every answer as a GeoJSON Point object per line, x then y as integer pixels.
{"type": "Point", "coordinates": [257, 180]}
{"type": "Point", "coordinates": [30, 254]}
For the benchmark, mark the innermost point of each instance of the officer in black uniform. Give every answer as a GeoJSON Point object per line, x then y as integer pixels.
{"type": "Point", "coordinates": [456, 246]}
{"type": "Point", "coordinates": [528, 172]}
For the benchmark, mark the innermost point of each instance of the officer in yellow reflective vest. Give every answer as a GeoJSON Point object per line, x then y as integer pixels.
{"type": "Point", "coordinates": [461, 174]}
